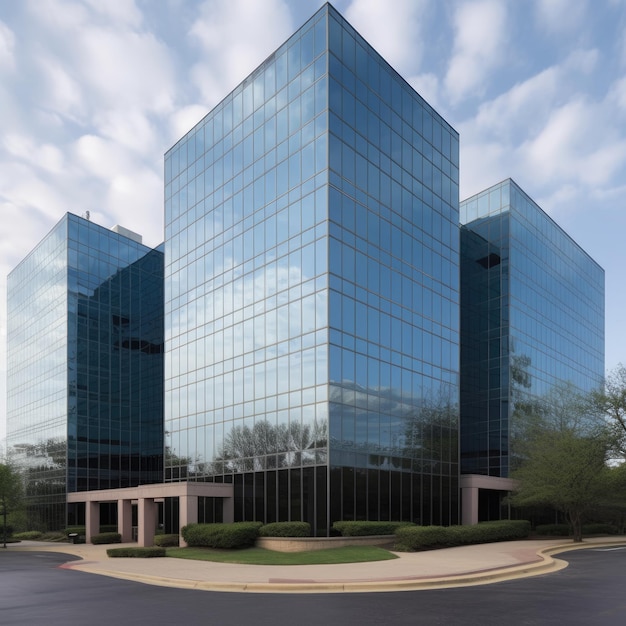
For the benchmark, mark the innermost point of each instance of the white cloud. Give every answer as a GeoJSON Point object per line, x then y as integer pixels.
{"type": "Point", "coordinates": [126, 69]}
{"type": "Point", "coordinates": [184, 119]}
{"type": "Point", "coordinates": [480, 38]}
{"type": "Point", "coordinates": [7, 47]}
{"type": "Point", "coordinates": [583, 60]}
{"type": "Point", "coordinates": [617, 94]}
{"type": "Point", "coordinates": [45, 156]}
{"type": "Point", "coordinates": [101, 158]}
{"type": "Point", "coordinates": [88, 133]}
{"type": "Point", "coordinates": [524, 103]}
{"type": "Point", "coordinates": [427, 85]}
{"type": "Point", "coordinates": [135, 200]}
{"type": "Point", "coordinates": [235, 36]}
{"type": "Point", "coordinates": [95, 58]}
{"type": "Point", "coordinates": [395, 32]}
{"type": "Point", "coordinates": [133, 129]}
{"type": "Point", "coordinates": [523, 109]}
{"type": "Point", "coordinates": [123, 189]}
{"type": "Point", "coordinates": [543, 130]}
{"type": "Point", "coordinates": [482, 164]}
{"type": "Point", "coordinates": [123, 12]}
{"type": "Point", "coordinates": [559, 16]}
{"type": "Point", "coordinates": [572, 147]}
{"type": "Point", "coordinates": [27, 190]}
{"type": "Point", "coordinates": [63, 94]}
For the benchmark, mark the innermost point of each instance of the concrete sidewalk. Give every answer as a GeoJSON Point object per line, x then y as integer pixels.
{"type": "Point", "coordinates": [435, 569]}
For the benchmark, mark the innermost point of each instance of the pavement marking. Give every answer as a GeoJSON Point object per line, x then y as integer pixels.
{"type": "Point", "coordinates": [608, 549]}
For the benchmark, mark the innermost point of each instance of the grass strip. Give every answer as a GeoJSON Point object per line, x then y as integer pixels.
{"type": "Point", "coordinates": [261, 556]}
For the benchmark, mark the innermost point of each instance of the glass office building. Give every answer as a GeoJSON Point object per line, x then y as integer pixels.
{"type": "Point", "coordinates": [311, 292]}
{"type": "Point", "coordinates": [532, 325]}
{"type": "Point", "coordinates": [85, 366]}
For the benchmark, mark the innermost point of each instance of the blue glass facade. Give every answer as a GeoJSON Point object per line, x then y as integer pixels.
{"type": "Point", "coordinates": [333, 339]}
{"type": "Point", "coordinates": [532, 322]}
{"type": "Point", "coordinates": [85, 354]}
{"type": "Point", "coordinates": [311, 292]}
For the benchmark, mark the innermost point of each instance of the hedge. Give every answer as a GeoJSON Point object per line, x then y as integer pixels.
{"type": "Point", "coordinates": [102, 538]}
{"type": "Point", "coordinates": [411, 538]}
{"type": "Point", "coordinates": [362, 528]}
{"type": "Point", "coordinates": [600, 529]}
{"type": "Point", "coordinates": [564, 530]}
{"type": "Point", "coordinates": [28, 535]}
{"type": "Point", "coordinates": [140, 553]}
{"type": "Point", "coordinates": [166, 541]}
{"type": "Point", "coordinates": [422, 537]}
{"type": "Point", "coordinates": [488, 532]}
{"type": "Point", "coordinates": [53, 535]}
{"type": "Point", "coordinates": [553, 530]}
{"type": "Point", "coordinates": [235, 535]}
{"type": "Point", "coordinates": [286, 529]}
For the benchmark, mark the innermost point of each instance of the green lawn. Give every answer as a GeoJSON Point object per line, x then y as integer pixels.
{"type": "Point", "coordinates": [260, 556]}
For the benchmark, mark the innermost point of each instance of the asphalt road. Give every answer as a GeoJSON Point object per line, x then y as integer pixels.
{"type": "Point", "coordinates": [33, 590]}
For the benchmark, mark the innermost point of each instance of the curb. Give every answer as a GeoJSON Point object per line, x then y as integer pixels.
{"type": "Point", "coordinates": [362, 586]}
{"type": "Point", "coordinates": [545, 565]}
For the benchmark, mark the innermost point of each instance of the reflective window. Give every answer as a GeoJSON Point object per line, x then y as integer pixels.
{"type": "Point", "coordinates": [532, 322]}
{"type": "Point", "coordinates": [85, 375]}
{"type": "Point", "coordinates": [309, 302]}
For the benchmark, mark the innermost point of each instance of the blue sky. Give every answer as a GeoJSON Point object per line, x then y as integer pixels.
{"type": "Point", "coordinates": [92, 93]}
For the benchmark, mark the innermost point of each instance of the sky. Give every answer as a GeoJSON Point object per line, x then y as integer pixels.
{"type": "Point", "coordinates": [93, 93]}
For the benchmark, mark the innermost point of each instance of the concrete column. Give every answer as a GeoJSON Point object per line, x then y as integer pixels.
{"type": "Point", "coordinates": [228, 510]}
{"type": "Point", "coordinates": [187, 514]}
{"type": "Point", "coordinates": [125, 520]}
{"type": "Point", "coordinates": [147, 521]}
{"type": "Point", "coordinates": [469, 499]}
{"type": "Point", "coordinates": [92, 520]}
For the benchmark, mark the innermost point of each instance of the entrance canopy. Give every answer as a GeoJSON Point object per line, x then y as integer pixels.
{"type": "Point", "coordinates": [146, 497]}
{"type": "Point", "coordinates": [471, 483]}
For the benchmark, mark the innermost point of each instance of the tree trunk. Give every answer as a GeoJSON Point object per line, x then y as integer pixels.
{"type": "Point", "coordinates": [576, 521]}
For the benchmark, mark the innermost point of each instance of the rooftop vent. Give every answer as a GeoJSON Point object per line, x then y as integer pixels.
{"type": "Point", "coordinates": [120, 230]}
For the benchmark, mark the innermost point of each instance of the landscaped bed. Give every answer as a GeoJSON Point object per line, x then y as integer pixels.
{"type": "Point", "coordinates": [260, 556]}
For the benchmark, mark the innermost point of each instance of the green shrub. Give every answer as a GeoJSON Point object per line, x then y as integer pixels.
{"type": "Point", "coordinates": [363, 529]}
{"type": "Point", "coordinates": [422, 537]}
{"type": "Point", "coordinates": [102, 538]}
{"type": "Point", "coordinates": [236, 535]}
{"type": "Point", "coordinates": [28, 535]}
{"type": "Point", "coordinates": [553, 530]}
{"type": "Point", "coordinates": [140, 553]}
{"type": "Point", "coordinates": [166, 541]}
{"type": "Point", "coordinates": [286, 529]}
{"type": "Point", "coordinates": [489, 532]}
{"type": "Point", "coordinates": [600, 529]}
{"type": "Point", "coordinates": [410, 538]}
{"type": "Point", "coordinates": [565, 530]}
{"type": "Point", "coordinates": [53, 535]}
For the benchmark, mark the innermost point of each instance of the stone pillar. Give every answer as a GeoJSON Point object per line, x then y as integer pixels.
{"type": "Point", "coordinates": [187, 514]}
{"type": "Point", "coordinates": [469, 499]}
{"type": "Point", "coordinates": [228, 510]}
{"type": "Point", "coordinates": [92, 520]}
{"type": "Point", "coordinates": [147, 521]}
{"type": "Point", "coordinates": [125, 520]}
